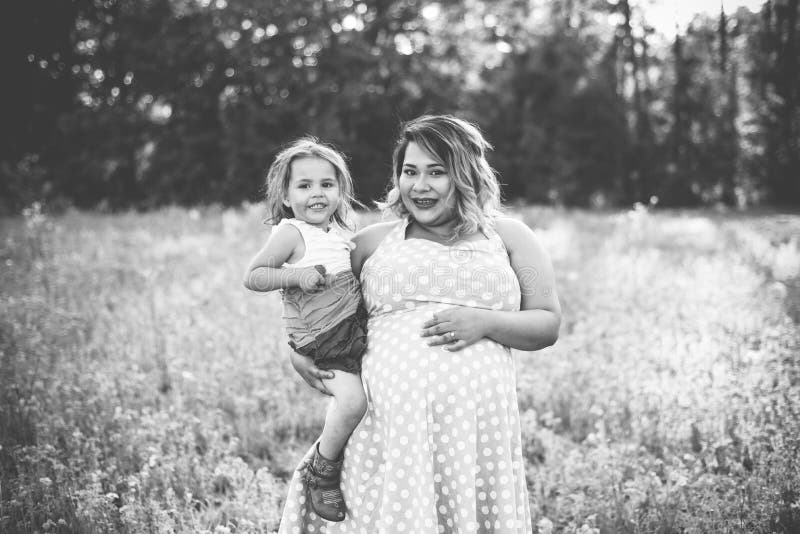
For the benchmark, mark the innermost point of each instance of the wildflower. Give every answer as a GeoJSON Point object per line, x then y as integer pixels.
{"type": "Point", "coordinates": [46, 482]}
{"type": "Point", "coordinates": [544, 526]}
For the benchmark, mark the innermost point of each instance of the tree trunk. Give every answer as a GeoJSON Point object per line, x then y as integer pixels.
{"type": "Point", "coordinates": [727, 133]}
{"type": "Point", "coordinates": [783, 135]}
{"type": "Point", "coordinates": [679, 172]}
{"type": "Point", "coordinates": [638, 122]}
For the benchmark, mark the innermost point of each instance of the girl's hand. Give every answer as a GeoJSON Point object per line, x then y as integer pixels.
{"type": "Point", "coordinates": [456, 328]}
{"type": "Point", "coordinates": [312, 374]}
{"type": "Point", "coordinates": [311, 279]}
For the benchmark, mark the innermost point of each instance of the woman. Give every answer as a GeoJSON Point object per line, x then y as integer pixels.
{"type": "Point", "coordinates": [450, 288]}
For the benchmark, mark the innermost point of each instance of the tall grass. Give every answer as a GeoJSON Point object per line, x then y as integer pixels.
{"type": "Point", "coordinates": [144, 390]}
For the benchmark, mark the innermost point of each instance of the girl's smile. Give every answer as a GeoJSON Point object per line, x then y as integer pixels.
{"type": "Point", "coordinates": [313, 192]}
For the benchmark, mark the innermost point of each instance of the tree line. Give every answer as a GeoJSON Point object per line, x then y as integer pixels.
{"type": "Point", "coordinates": [139, 103]}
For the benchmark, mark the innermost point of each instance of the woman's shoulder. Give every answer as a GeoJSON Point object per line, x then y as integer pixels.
{"type": "Point", "coordinates": [370, 237]}
{"type": "Point", "coordinates": [510, 226]}
{"type": "Point", "coordinates": [514, 232]}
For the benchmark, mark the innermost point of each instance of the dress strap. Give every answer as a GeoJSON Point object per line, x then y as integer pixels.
{"type": "Point", "coordinates": [396, 234]}
{"type": "Point", "coordinates": [393, 236]}
{"type": "Point", "coordinates": [494, 237]}
{"type": "Point", "coordinates": [401, 228]}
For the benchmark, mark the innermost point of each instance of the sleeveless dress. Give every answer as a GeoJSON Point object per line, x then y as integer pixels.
{"type": "Point", "coordinates": [439, 449]}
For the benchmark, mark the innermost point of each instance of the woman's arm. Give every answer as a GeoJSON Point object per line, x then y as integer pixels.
{"type": "Point", "coordinates": [537, 323]}
{"type": "Point", "coordinates": [265, 273]}
{"type": "Point", "coordinates": [523, 330]}
{"type": "Point", "coordinates": [309, 372]}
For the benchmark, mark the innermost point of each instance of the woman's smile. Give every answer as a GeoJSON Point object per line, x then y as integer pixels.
{"type": "Point", "coordinates": [424, 203]}
{"type": "Point", "coordinates": [426, 188]}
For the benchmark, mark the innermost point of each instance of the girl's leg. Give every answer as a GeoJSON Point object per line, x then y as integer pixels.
{"type": "Point", "coordinates": [344, 414]}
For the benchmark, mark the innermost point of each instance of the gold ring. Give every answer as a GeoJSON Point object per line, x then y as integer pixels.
{"type": "Point", "coordinates": [452, 335]}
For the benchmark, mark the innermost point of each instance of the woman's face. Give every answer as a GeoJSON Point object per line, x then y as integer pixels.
{"type": "Point", "coordinates": [426, 188]}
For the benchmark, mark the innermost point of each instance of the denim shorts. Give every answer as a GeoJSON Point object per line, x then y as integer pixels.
{"type": "Point", "coordinates": [340, 347]}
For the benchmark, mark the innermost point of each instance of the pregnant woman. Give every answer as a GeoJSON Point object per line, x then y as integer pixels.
{"type": "Point", "coordinates": [450, 289]}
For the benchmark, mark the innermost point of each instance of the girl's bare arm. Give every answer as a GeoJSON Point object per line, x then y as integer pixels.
{"type": "Point", "coordinates": [264, 273]}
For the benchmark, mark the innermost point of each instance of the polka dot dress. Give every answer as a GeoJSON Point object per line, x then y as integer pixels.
{"type": "Point", "coordinates": [439, 449]}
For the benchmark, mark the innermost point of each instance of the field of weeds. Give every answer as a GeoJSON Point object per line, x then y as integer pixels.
{"type": "Point", "coordinates": [143, 389]}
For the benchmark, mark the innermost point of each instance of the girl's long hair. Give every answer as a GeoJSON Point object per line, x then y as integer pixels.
{"type": "Point", "coordinates": [279, 175]}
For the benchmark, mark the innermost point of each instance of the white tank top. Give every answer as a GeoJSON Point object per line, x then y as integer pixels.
{"type": "Point", "coordinates": [331, 248]}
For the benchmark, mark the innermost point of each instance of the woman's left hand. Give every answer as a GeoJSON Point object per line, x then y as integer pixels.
{"type": "Point", "coordinates": [455, 328]}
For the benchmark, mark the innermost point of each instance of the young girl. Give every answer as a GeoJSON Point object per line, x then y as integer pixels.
{"type": "Point", "coordinates": [307, 257]}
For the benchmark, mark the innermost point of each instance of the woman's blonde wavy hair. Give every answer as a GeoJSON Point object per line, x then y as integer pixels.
{"type": "Point", "coordinates": [280, 174]}
{"type": "Point", "coordinates": [461, 148]}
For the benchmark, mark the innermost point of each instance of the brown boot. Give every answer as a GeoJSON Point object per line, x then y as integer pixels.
{"type": "Point", "coordinates": [322, 478]}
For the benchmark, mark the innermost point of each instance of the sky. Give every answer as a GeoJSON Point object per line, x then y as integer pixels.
{"type": "Point", "coordinates": [664, 14]}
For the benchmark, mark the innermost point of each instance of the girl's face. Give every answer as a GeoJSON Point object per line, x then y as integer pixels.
{"type": "Point", "coordinates": [313, 191]}
{"type": "Point", "coordinates": [426, 188]}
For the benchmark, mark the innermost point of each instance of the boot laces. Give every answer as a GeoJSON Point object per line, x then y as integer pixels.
{"type": "Point", "coordinates": [331, 497]}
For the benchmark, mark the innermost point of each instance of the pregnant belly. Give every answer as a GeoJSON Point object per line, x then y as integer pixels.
{"type": "Point", "coordinates": [399, 368]}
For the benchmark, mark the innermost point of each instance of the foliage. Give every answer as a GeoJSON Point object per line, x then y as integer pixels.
{"type": "Point", "coordinates": [159, 102]}
{"type": "Point", "coordinates": [144, 390]}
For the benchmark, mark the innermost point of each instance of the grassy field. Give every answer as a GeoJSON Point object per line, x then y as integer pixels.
{"type": "Point", "coordinates": [143, 389]}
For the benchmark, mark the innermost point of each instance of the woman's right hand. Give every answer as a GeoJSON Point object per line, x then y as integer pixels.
{"type": "Point", "coordinates": [312, 374]}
